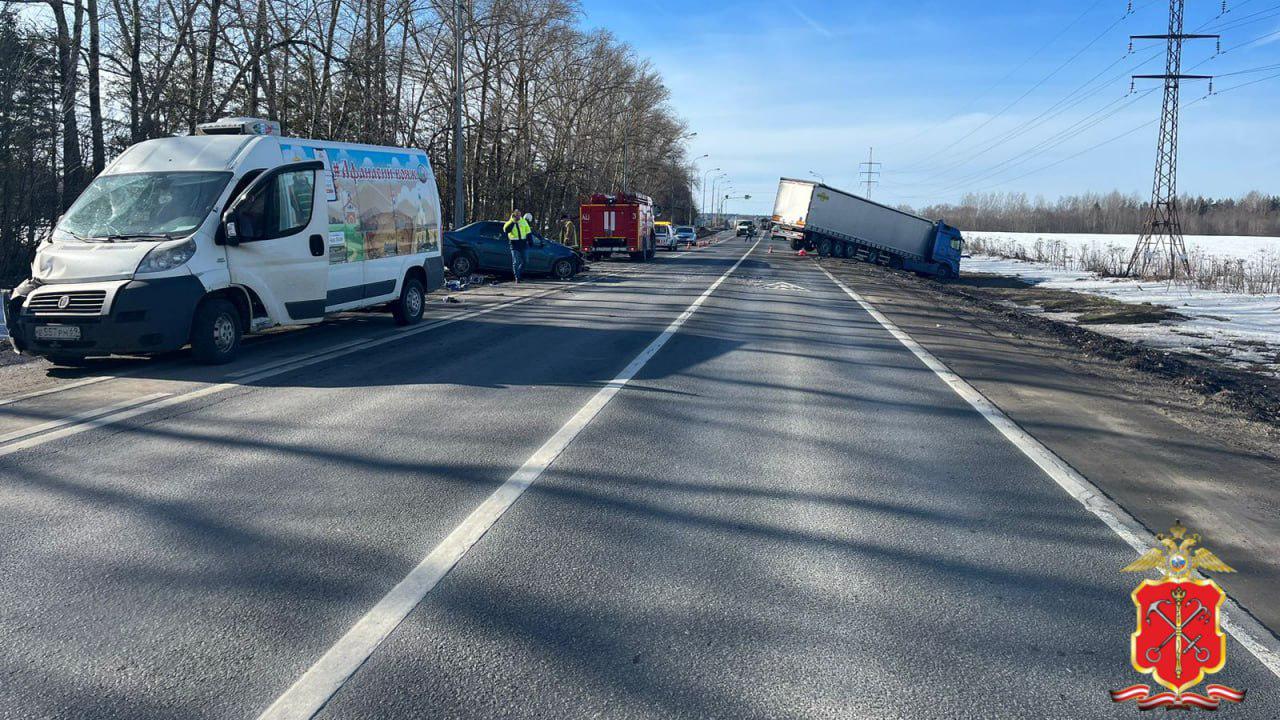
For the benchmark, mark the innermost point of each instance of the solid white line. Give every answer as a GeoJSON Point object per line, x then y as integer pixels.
{"type": "Point", "coordinates": [73, 419]}
{"type": "Point", "coordinates": [1246, 629]}
{"type": "Point", "coordinates": [52, 390]}
{"type": "Point", "coordinates": [290, 361]}
{"type": "Point", "coordinates": [319, 683]}
{"type": "Point", "coordinates": [146, 405]}
{"type": "Point", "coordinates": [253, 375]}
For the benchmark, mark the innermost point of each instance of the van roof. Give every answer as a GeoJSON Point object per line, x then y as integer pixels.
{"type": "Point", "coordinates": [178, 154]}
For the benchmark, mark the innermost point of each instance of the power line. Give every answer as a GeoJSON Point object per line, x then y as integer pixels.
{"type": "Point", "coordinates": [1052, 142]}
{"type": "Point", "coordinates": [1124, 134]}
{"type": "Point", "coordinates": [1047, 115]}
{"type": "Point", "coordinates": [1028, 125]}
{"type": "Point", "coordinates": [1031, 90]}
{"type": "Point", "coordinates": [997, 83]}
{"type": "Point", "coordinates": [1101, 114]}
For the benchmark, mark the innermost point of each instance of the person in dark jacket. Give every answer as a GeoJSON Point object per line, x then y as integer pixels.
{"type": "Point", "coordinates": [518, 231]}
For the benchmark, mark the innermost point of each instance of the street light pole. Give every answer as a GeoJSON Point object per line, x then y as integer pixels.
{"type": "Point", "coordinates": [703, 206]}
{"type": "Point", "coordinates": [459, 154]}
{"type": "Point", "coordinates": [715, 195]}
{"type": "Point", "coordinates": [692, 221]}
{"type": "Point", "coordinates": [716, 189]}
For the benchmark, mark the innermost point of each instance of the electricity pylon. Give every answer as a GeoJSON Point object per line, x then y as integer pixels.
{"type": "Point", "coordinates": [1161, 234]}
{"type": "Point", "coordinates": [872, 172]}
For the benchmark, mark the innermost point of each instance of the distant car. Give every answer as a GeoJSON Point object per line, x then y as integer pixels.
{"type": "Point", "coordinates": [665, 236]}
{"type": "Point", "coordinates": [745, 227]}
{"type": "Point", "coordinates": [482, 247]}
{"type": "Point", "coordinates": [686, 234]}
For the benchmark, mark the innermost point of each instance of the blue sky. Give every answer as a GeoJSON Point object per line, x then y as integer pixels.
{"type": "Point", "coordinates": [958, 96]}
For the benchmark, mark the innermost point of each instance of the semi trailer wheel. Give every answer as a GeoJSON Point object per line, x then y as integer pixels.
{"type": "Point", "coordinates": [824, 247]}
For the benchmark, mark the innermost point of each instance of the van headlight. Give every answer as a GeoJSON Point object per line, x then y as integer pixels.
{"type": "Point", "coordinates": [167, 256]}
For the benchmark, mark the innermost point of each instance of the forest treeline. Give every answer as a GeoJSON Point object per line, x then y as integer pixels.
{"type": "Point", "coordinates": [551, 113]}
{"type": "Point", "coordinates": [1254, 214]}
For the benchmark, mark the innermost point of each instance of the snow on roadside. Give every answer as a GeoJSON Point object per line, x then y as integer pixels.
{"type": "Point", "coordinates": [1221, 245]}
{"type": "Point", "coordinates": [1242, 329]}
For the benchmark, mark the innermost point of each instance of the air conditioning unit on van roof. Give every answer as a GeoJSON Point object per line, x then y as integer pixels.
{"type": "Point", "coordinates": [239, 126]}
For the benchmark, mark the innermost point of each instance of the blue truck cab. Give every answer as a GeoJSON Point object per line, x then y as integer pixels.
{"type": "Point", "coordinates": [947, 247]}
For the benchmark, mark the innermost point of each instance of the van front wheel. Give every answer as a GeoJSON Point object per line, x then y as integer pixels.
{"type": "Point", "coordinates": [215, 332]}
{"type": "Point", "coordinates": [413, 300]}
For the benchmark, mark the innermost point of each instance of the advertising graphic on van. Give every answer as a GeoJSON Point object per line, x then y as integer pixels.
{"type": "Point", "coordinates": [385, 214]}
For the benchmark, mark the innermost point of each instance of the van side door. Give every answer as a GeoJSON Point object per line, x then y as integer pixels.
{"type": "Point", "coordinates": [275, 242]}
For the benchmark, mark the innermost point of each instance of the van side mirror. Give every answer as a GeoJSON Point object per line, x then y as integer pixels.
{"type": "Point", "coordinates": [226, 232]}
{"type": "Point", "coordinates": [238, 224]}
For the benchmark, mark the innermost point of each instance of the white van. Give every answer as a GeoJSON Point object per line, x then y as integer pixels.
{"type": "Point", "coordinates": [202, 239]}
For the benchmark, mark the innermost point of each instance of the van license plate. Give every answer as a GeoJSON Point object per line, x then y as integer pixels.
{"type": "Point", "coordinates": [58, 332]}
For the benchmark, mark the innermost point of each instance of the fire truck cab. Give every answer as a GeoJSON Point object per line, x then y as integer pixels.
{"type": "Point", "coordinates": [617, 224]}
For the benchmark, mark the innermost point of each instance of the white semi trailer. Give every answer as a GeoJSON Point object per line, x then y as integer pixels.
{"type": "Point", "coordinates": [832, 222]}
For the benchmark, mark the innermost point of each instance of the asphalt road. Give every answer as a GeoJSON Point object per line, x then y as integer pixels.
{"type": "Point", "coordinates": [782, 514]}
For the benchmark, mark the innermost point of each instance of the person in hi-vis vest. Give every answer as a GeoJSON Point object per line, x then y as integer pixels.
{"type": "Point", "coordinates": [518, 231]}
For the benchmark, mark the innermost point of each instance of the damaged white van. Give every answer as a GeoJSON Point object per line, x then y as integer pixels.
{"type": "Point", "coordinates": [199, 240]}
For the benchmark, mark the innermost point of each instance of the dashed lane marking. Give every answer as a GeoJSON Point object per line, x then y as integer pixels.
{"type": "Point", "coordinates": [323, 679]}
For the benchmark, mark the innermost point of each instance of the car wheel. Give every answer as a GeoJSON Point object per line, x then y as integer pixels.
{"type": "Point", "coordinates": [462, 265]}
{"type": "Point", "coordinates": [413, 300]}
{"type": "Point", "coordinates": [215, 332]}
{"type": "Point", "coordinates": [564, 269]}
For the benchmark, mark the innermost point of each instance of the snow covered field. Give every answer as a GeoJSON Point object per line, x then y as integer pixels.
{"type": "Point", "coordinates": [1238, 328]}
{"type": "Point", "coordinates": [1219, 245]}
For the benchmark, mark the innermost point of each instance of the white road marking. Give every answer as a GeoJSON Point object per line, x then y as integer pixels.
{"type": "Point", "coordinates": [245, 377]}
{"type": "Point", "coordinates": [59, 388]}
{"type": "Point", "coordinates": [248, 377]}
{"type": "Point", "coordinates": [323, 679]}
{"type": "Point", "coordinates": [1246, 629]}
{"type": "Point", "coordinates": [73, 419]}
{"type": "Point", "coordinates": [289, 361]}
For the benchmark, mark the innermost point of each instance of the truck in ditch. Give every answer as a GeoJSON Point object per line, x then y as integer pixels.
{"type": "Point", "coordinates": [819, 218]}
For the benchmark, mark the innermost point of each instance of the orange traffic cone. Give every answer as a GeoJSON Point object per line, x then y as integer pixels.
{"type": "Point", "coordinates": [769, 251]}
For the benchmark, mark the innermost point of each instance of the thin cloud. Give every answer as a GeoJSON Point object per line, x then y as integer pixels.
{"type": "Point", "coordinates": [814, 25]}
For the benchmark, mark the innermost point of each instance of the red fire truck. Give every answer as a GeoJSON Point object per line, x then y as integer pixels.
{"type": "Point", "coordinates": [615, 224]}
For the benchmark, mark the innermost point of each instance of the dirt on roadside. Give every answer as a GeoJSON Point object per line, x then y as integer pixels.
{"type": "Point", "coordinates": [1011, 303]}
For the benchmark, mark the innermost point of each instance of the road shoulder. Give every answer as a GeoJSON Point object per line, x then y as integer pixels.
{"type": "Point", "coordinates": [1159, 450]}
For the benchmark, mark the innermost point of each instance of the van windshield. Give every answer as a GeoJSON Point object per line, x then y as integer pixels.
{"type": "Point", "coordinates": [143, 206]}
